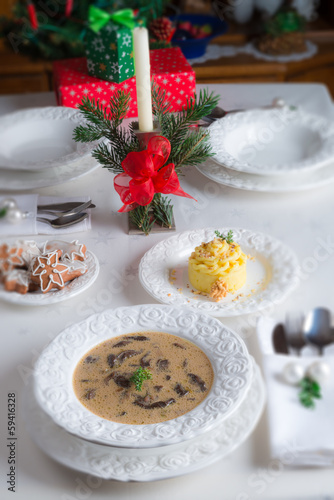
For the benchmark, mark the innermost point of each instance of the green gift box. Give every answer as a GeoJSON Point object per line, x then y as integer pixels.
{"type": "Point", "coordinates": [109, 44]}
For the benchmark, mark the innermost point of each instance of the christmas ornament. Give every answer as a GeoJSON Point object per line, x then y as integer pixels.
{"type": "Point", "coordinates": [293, 373]}
{"type": "Point", "coordinates": [11, 212]}
{"type": "Point", "coordinates": [319, 371]}
{"type": "Point", "coordinates": [309, 379]}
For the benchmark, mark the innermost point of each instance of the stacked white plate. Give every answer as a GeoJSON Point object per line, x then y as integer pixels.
{"type": "Point", "coordinates": [279, 150]}
{"type": "Point", "coordinates": [72, 435]}
{"type": "Point", "coordinates": [37, 148]}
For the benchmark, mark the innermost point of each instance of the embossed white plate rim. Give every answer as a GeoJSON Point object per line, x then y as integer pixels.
{"type": "Point", "coordinates": [151, 464]}
{"type": "Point", "coordinates": [253, 182]}
{"type": "Point", "coordinates": [225, 349]}
{"type": "Point", "coordinates": [22, 180]}
{"type": "Point", "coordinates": [154, 272]}
{"type": "Point", "coordinates": [219, 140]}
{"type": "Point", "coordinates": [73, 288]}
{"type": "Point", "coordinates": [49, 114]}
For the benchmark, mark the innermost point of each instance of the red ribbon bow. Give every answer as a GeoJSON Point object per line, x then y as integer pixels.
{"type": "Point", "coordinates": [144, 175]}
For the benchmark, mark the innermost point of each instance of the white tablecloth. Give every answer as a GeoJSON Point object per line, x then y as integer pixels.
{"type": "Point", "coordinates": [300, 220]}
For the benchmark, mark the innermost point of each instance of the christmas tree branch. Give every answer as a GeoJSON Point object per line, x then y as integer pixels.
{"type": "Point", "coordinates": [142, 219]}
{"type": "Point", "coordinates": [162, 210]}
{"type": "Point", "coordinates": [108, 158]}
{"type": "Point", "coordinates": [195, 148]}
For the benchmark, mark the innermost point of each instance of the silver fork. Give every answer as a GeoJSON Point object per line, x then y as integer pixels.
{"type": "Point", "coordinates": [294, 323]}
{"type": "Point", "coordinates": [64, 221]}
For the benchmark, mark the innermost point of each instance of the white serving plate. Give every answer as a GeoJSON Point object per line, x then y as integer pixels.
{"type": "Point", "coordinates": [272, 142]}
{"type": "Point", "coordinates": [289, 184]}
{"type": "Point", "coordinates": [227, 352]}
{"type": "Point", "coordinates": [271, 277]}
{"type": "Point", "coordinates": [71, 289]}
{"type": "Point", "coordinates": [19, 180]}
{"type": "Point", "coordinates": [41, 138]}
{"type": "Point", "coordinates": [128, 464]}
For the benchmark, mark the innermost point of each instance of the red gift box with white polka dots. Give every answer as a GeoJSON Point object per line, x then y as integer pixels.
{"type": "Point", "coordinates": [169, 69]}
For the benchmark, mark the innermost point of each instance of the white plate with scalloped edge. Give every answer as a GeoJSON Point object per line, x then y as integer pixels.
{"type": "Point", "coordinates": [272, 142]}
{"type": "Point", "coordinates": [231, 363]}
{"type": "Point", "coordinates": [71, 289]}
{"type": "Point", "coordinates": [272, 273]}
{"type": "Point", "coordinates": [41, 138]}
{"type": "Point", "coordinates": [128, 464]}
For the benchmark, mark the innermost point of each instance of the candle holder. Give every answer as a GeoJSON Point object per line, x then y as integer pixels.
{"type": "Point", "coordinates": [144, 137]}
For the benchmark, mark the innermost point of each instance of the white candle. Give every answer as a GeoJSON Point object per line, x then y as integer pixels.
{"type": "Point", "coordinates": [143, 79]}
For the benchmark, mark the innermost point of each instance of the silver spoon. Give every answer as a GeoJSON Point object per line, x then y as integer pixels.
{"type": "Point", "coordinates": [66, 213]}
{"type": "Point", "coordinates": [294, 332]}
{"type": "Point", "coordinates": [219, 112]}
{"type": "Point", "coordinates": [317, 328]}
{"type": "Point", "coordinates": [64, 221]}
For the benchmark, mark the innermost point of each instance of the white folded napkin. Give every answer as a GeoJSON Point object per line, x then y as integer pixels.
{"type": "Point", "coordinates": [28, 203]}
{"type": "Point", "coordinates": [298, 436]}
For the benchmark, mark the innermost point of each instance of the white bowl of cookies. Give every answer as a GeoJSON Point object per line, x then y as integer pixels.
{"type": "Point", "coordinates": [44, 273]}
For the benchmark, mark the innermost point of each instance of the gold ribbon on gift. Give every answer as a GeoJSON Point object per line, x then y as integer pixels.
{"type": "Point", "coordinates": [98, 18]}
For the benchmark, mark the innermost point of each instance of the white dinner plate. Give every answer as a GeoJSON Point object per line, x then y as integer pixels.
{"type": "Point", "coordinates": [71, 289]}
{"type": "Point", "coordinates": [128, 464]}
{"type": "Point", "coordinates": [41, 138]}
{"type": "Point", "coordinates": [272, 142]}
{"type": "Point", "coordinates": [291, 183]}
{"type": "Point", "coordinates": [19, 180]}
{"type": "Point", "coordinates": [53, 375]}
{"type": "Point", "coordinates": [271, 276]}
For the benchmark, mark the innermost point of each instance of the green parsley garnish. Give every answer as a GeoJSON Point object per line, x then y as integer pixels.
{"type": "Point", "coordinates": [310, 390]}
{"type": "Point", "coordinates": [228, 238]}
{"type": "Point", "coordinates": [139, 376]}
{"type": "Point", "coordinates": [3, 212]}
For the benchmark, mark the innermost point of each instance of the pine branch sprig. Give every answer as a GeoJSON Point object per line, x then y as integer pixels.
{"type": "Point", "coordinates": [198, 106]}
{"type": "Point", "coordinates": [160, 103]}
{"type": "Point", "coordinates": [108, 158]}
{"type": "Point", "coordinates": [100, 122]}
{"type": "Point", "coordinates": [162, 210]}
{"type": "Point", "coordinates": [194, 148]}
{"type": "Point", "coordinates": [142, 219]}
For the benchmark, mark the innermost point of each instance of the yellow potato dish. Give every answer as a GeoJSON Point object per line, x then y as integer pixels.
{"type": "Point", "coordinates": [217, 268]}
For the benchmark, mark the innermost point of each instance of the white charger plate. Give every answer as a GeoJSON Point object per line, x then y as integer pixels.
{"type": "Point", "coordinates": [71, 289]}
{"type": "Point", "coordinates": [272, 142]}
{"type": "Point", "coordinates": [271, 277]}
{"type": "Point", "coordinates": [251, 182]}
{"type": "Point", "coordinates": [41, 138]}
{"type": "Point", "coordinates": [128, 464]}
{"type": "Point", "coordinates": [53, 375]}
{"type": "Point", "coordinates": [22, 180]}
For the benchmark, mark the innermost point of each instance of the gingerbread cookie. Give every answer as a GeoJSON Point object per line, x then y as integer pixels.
{"type": "Point", "coordinates": [26, 267]}
{"type": "Point", "coordinates": [17, 280]}
{"type": "Point", "coordinates": [10, 257]}
{"type": "Point", "coordinates": [49, 272]}
{"type": "Point", "coordinates": [30, 250]}
{"type": "Point", "coordinates": [71, 251]}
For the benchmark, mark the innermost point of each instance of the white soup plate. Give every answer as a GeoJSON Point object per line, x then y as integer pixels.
{"type": "Point", "coordinates": [272, 142]}
{"type": "Point", "coordinates": [53, 375]}
{"type": "Point", "coordinates": [41, 138]}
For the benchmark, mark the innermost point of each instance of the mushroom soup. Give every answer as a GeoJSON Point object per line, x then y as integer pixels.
{"type": "Point", "coordinates": [143, 378]}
